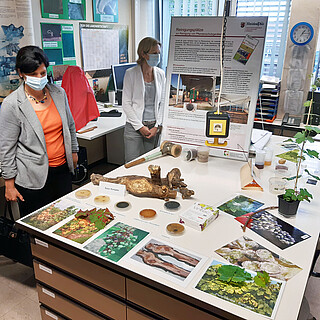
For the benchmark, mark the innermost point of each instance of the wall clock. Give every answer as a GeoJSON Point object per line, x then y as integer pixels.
{"type": "Point", "coordinates": [301, 33]}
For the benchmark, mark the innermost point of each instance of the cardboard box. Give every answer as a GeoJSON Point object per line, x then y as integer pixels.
{"type": "Point", "coordinates": [199, 216]}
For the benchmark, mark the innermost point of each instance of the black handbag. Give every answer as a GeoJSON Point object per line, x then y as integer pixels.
{"type": "Point", "coordinates": [14, 243]}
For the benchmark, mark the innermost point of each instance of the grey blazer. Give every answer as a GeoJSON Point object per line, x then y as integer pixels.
{"type": "Point", "coordinates": [23, 151]}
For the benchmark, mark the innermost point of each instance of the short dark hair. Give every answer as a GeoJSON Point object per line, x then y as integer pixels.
{"type": "Point", "coordinates": [29, 59]}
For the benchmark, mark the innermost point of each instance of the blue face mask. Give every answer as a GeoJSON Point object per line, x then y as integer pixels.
{"type": "Point", "coordinates": [36, 83]}
{"type": "Point", "coordinates": [154, 59]}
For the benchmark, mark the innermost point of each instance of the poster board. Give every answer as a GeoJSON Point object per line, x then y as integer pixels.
{"type": "Point", "coordinates": [58, 44]}
{"type": "Point", "coordinates": [193, 80]}
{"type": "Point", "coordinates": [64, 9]}
{"type": "Point", "coordinates": [105, 10]}
{"type": "Point", "coordinates": [103, 45]}
{"type": "Point", "coordinates": [16, 32]}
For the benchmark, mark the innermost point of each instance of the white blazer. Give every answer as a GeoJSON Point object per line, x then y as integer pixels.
{"type": "Point", "coordinates": [133, 95]}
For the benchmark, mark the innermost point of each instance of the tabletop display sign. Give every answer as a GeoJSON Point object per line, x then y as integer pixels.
{"type": "Point", "coordinates": [194, 81]}
{"type": "Point", "coordinates": [246, 293]}
{"type": "Point", "coordinates": [105, 10]}
{"type": "Point", "coordinates": [58, 44]}
{"type": "Point", "coordinates": [64, 9]}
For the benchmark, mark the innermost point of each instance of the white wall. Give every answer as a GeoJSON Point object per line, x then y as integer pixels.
{"type": "Point", "coordinates": [124, 19]}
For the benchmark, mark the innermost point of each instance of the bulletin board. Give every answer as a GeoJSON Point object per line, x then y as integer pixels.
{"type": "Point", "coordinates": [105, 10]}
{"type": "Point", "coordinates": [16, 32]}
{"type": "Point", "coordinates": [64, 9]}
{"type": "Point", "coordinates": [103, 45]}
{"type": "Point", "coordinates": [58, 44]}
{"type": "Point", "coordinates": [194, 81]}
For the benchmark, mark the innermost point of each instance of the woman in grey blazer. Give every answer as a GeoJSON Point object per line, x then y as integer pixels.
{"type": "Point", "coordinates": [38, 145]}
{"type": "Point", "coordinates": [143, 100]}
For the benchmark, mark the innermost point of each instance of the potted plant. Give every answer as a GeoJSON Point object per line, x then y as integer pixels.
{"type": "Point", "coordinates": [290, 200]}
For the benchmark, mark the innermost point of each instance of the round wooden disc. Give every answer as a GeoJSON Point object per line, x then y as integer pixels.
{"type": "Point", "coordinates": [147, 213]}
{"type": "Point", "coordinates": [83, 194]}
{"type": "Point", "coordinates": [175, 228]}
{"type": "Point", "coordinates": [101, 199]}
{"type": "Point", "coordinates": [176, 150]}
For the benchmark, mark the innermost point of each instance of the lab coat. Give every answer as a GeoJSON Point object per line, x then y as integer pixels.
{"type": "Point", "coordinates": [133, 96]}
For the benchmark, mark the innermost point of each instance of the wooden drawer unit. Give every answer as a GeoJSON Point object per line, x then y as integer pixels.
{"type": "Point", "coordinates": [136, 315]}
{"type": "Point", "coordinates": [63, 306]}
{"type": "Point", "coordinates": [81, 268]}
{"type": "Point", "coordinates": [79, 291]}
{"type": "Point", "coordinates": [162, 304]}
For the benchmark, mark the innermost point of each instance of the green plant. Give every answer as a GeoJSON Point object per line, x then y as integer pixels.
{"type": "Point", "coordinates": [301, 138]}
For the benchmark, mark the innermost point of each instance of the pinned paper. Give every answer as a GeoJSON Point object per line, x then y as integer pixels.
{"type": "Point", "coordinates": [112, 189]}
{"type": "Point", "coordinates": [249, 177]}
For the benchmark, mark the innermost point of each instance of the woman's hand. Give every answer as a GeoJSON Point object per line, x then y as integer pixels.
{"type": "Point", "coordinates": [11, 193]}
{"type": "Point", "coordinates": [75, 159]}
{"type": "Point", "coordinates": [145, 131]}
{"type": "Point", "coordinates": [153, 132]}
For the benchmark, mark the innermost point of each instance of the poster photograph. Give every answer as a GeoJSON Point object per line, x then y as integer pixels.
{"type": "Point", "coordinates": [168, 261]}
{"type": "Point", "coordinates": [250, 255]}
{"type": "Point", "coordinates": [240, 205]}
{"type": "Point", "coordinates": [246, 294]}
{"type": "Point", "coordinates": [49, 216]}
{"type": "Point", "coordinates": [105, 10]}
{"type": "Point", "coordinates": [85, 224]}
{"type": "Point", "coordinates": [16, 32]}
{"type": "Point", "coordinates": [116, 242]}
{"type": "Point", "coordinates": [64, 9]}
{"type": "Point", "coordinates": [195, 82]}
{"type": "Point", "coordinates": [275, 230]}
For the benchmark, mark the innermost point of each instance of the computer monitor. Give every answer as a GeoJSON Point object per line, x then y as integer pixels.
{"type": "Point", "coordinates": [118, 72]}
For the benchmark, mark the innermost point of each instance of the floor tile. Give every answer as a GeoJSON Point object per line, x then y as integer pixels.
{"type": "Point", "coordinates": [25, 310]}
{"type": "Point", "coordinates": [9, 299]}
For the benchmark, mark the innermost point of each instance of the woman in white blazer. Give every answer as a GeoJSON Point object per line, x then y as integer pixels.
{"type": "Point", "coordinates": [38, 144]}
{"type": "Point", "coordinates": [143, 100]}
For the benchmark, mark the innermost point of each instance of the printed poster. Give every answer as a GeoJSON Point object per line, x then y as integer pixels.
{"type": "Point", "coordinates": [240, 205]}
{"type": "Point", "coordinates": [64, 9]}
{"type": "Point", "coordinates": [16, 32]}
{"type": "Point", "coordinates": [103, 45]}
{"type": "Point", "coordinates": [194, 81]}
{"type": "Point", "coordinates": [168, 261]}
{"type": "Point", "coordinates": [105, 10]}
{"type": "Point", "coordinates": [50, 215]}
{"type": "Point", "coordinates": [116, 242]}
{"type": "Point", "coordinates": [58, 44]}
{"type": "Point", "coordinates": [248, 295]}
{"type": "Point", "coordinates": [250, 255]}
{"type": "Point", "coordinates": [275, 230]}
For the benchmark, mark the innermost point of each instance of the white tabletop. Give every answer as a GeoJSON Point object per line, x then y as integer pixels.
{"type": "Point", "coordinates": [104, 125]}
{"type": "Point", "coordinates": [214, 183]}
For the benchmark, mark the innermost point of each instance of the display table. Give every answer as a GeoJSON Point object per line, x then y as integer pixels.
{"type": "Point", "coordinates": [105, 138]}
{"type": "Point", "coordinates": [75, 283]}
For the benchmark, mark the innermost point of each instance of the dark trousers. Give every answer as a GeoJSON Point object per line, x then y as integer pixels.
{"type": "Point", "coordinates": [59, 183]}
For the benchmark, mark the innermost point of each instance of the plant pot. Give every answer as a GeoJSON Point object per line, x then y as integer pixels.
{"type": "Point", "coordinates": [288, 208]}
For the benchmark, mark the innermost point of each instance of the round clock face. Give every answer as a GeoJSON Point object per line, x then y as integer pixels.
{"type": "Point", "coordinates": [301, 33]}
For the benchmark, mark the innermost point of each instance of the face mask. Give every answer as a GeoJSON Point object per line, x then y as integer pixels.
{"type": "Point", "coordinates": [36, 83]}
{"type": "Point", "coordinates": [154, 59]}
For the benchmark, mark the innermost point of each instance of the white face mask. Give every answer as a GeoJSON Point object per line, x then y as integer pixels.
{"type": "Point", "coordinates": [36, 83]}
{"type": "Point", "coordinates": [154, 59]}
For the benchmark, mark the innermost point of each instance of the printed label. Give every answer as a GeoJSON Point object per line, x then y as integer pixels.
{"type": "Point", "coordinates": [49, 293]}
{"type": "Point", "coordinates": [53, 316]}
{"type": "Point", "coordinates": [41, 243]}
{"type": "Point", "coordinates": [41, 267]}
{"type": "Point", "coordinates": [112, 188]}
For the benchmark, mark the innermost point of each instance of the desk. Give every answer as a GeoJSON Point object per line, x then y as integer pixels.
{"type": "Point", "coordinates": [276, 127]}
{"type": "Point", "coordinates": [130, 291]}
{"type": "Point", "coordinates": [105, 141]}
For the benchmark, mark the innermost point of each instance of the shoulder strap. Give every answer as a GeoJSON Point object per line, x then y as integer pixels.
{"type": "Point", "coordinates": [7, 207]}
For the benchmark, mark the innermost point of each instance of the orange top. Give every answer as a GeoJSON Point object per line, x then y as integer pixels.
{"type": "Point", "coordinates": [52, 127]}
